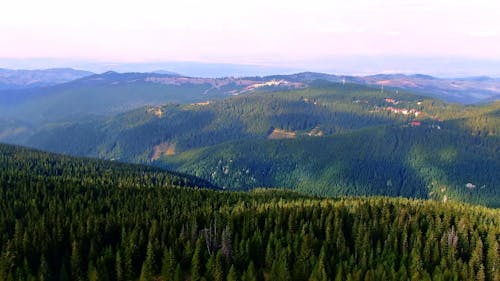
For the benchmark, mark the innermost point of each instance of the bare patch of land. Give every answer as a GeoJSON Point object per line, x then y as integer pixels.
{"type": "Point", "coordinates": [277, 134]}
{"type": "Point", "coordinates": [164, 148]}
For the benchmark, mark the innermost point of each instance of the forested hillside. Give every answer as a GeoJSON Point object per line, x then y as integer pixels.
{"type": "Point", "coordinates": [410, 162]}
{"type": "Point", "coordinates": [111, 93]}
{"type": "Point", "coordinates": [27, 168]}
{"type": "Point", "coordinates": [325, 109]}
{"type": "Point", "coordinates": [328, 139]}
{"type": "Point", "coordinates": [74, 219]}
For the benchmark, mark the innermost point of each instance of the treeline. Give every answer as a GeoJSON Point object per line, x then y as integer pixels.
{"type": "Point", "coordinates": [54, 229]}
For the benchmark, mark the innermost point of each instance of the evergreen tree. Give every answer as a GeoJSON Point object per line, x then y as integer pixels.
{"type": "Point", "coordinates": [178, 273]}
{"type": "Point", "coordinates": [339, 275]}
{"type": "Point", "coordinates": [76, 263]}
{"type": "Point", "coordinates": [279, 269]}
{"type": "Point", "coordinates": [147, 271]}
{"type": "Point", "coordinates": [196, 273]}
{"type": "Point", "coordinates": [120, 274]}
{"type": "Point", "coordinates": [319, 272]}
{"type": "Point", "coordinates": [168, 264]}
{"type": "Point", "coordinates": [249, 274]}
{"type": "Point", "coordinates": [492, 258]}
{"type": "Point", "coordinates": [44, 271]}
{"type": "Point", "coordinates": [232, 275]}
{"type": "Point", "coordinates": [92, 274]}
{"type": "Point", "coordinates": [218, 273]}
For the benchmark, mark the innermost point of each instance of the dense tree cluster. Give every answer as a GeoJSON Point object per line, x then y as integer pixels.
{"type": "Point", "coordinates": [77, 219]}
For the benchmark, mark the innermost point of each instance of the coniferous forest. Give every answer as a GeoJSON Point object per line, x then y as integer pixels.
{"type": "Point", "coordinates": [249, 140]}
{"type": "Point", "coordinates": [329, 139]}
{"type": "Point", "coordinates": [64, 218]}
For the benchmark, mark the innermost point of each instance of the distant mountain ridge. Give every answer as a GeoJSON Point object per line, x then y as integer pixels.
{"type": "Point", "coordinates": [466, 90]}
{"type": "Point", "coordinates": [20, 79]}
{"type": "Point", "coordinates": [97, 95]}
{"type": "Point", "coordinates": [160, 71]}
{"type": "Point", "coordinates": [113, 92]}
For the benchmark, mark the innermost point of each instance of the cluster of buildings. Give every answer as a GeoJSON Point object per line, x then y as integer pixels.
{"type": "Point", "coordinates": [404, 111]}
{"type": "Point", "coordinates": [391, 100]}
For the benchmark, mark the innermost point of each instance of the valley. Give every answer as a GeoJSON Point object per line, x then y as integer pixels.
{"type": "Point", "coordinates": [327, 139]}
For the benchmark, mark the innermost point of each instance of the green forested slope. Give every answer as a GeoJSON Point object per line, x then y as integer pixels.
{"type": "Point", "coordinates": [344, 139]}
{"type": "Point", "coordinates": [102, 94]}
{"type": "Point", "coordinates": [52, 229]}
{"type": "Point", "coordinates": [418, 162]}
{"type": "Point", "coordinates": [330, 108]}
{"type": "Point", "coordinates": [29, 168]}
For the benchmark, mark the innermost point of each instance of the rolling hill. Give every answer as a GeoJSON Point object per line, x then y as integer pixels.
{"type": "Point", "coordinates": [111, 93]}
{"type": "Point", "coordinates": [21, 79]}
{"type": "Point", "coordinates": [23, 111]}
{"type": "Point", "coordinates": [20, 166]}
{"type": "Point", "coordinates": [467, 90]}
{"type": "Point", "coordinates": [326, 139]}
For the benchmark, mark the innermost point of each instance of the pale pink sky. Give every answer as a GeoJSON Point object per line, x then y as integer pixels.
{"type": "Point", "coordinates": [257, 31]}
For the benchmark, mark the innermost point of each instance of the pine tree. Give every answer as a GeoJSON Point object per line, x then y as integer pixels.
{"type": "Point", "coordinates": [339, 276]}
{"type": "Point", "coordinates": [196, 273]}
{"type": "Point", "coordinates": [319, 272]}
{"type": "Point", "coordinates": [305, 261]}
{"type": "Point", "coordinates": [279, 269]}
{"type": "Point", "coordinates": [120, 275]}
{"type": "Point", "coordinates": [92, 274]}
{"type": "Point", "coordinates": [168, 264]}
{"type": "Point", "coordinates": [492, 258]}
{"type": "Point", "coordinates": [249, 274]}
{"type": "Point", "coordinates": [481, 276]}
{"type": "Point", "coordinates": [476, 259]}
{"type": "Point", "coordinates": [76, 267]}
{"type": "Point", "coordinates": [178, 273]}
{"type": "Point", "coordinates": [210, 267]}
{"type": "Point", "coordinates": [43, 271]}
{"type": "Point", "coordinates": [232, 275]}
{"type": "Point", "coordinates": [218, 273]}
{"type": "Point", "coordinates": [147, 271]}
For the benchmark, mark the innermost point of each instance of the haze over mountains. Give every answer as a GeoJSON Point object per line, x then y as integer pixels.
{"type": "Point", "coordinates": [348, 65]}
{"type": "Point", "coordinates": [461, 90]}
{"type": "Point", "coordinates": [384, 134]}
{"type": "Point", "coordinates": [21, 79]}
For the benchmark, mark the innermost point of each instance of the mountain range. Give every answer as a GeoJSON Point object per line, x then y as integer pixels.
{"type": "Point", "coordinates": [320, 134]}
{"type": "Point", "coordinates": [159, 176]}
{"type": "Point", "coordinates": [21, 79]}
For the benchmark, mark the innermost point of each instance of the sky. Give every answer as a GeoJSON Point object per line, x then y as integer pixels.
{"type": "Point", "coordinates": [295, 34]}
